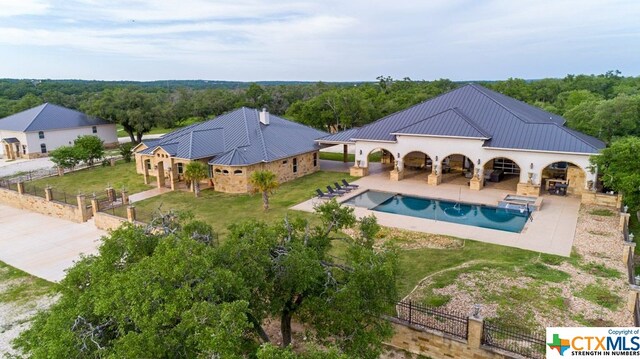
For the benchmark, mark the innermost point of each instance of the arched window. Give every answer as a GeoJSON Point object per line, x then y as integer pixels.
{"type": "Point", "coordinates": [43, 148]}
{"type": "Point", "coordinates": [225, 172]}
{"type": "Point", "coordinates": [237, 172]}
{"type": "Point", "coordinates": [218, 170]}
{"type": "Point", "coordinates": [41, 134]}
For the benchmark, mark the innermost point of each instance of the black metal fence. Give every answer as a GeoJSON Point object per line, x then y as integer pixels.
{"type": "Point", "coordinates": [9, 185]}
{"type": "Point", "coordinates": [34, 190]}
{"type": "Point", "coordinates": [62, 197]}
{"type": "Point", "coordinates": [515, 340]}
{"type": "Point", "coordinates": [449, 322]}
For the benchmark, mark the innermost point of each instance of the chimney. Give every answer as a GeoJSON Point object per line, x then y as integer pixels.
{"type": "Point", "coordinates": [264, 116]}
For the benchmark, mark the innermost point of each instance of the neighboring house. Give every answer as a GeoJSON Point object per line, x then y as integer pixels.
{"type": "Point", "coordinates": [474, 137]}
{"type": "Point", "coordinates": [37, 131]}
{"type": "Point", "coordinates": [233, 145]}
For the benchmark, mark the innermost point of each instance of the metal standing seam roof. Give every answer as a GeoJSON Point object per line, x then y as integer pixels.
{"type": "Point", "coordinates": [48, 117]}
{"type": "Point", "coordinates": [237, 138]}
{"type": "Point", "coordinates": [10, 140]}
{"type": "Point", "coordinates": [472, 110]}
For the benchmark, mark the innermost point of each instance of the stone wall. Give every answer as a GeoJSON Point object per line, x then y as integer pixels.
{"type": "Point", "coordinates": [41, 205]}
{"type": "Point", "coordinates": [576, 178]}
{"type": "Point", "coordinates": [602, 199]}
{"type": "Point", "coordinates": [410, 339]}
{"type": "Point", "coordinates": [235, 179]}
{"type": "Point", "coordinates": [107, 221]}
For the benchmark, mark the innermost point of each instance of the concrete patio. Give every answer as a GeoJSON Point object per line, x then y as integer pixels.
{"type": "Point", "coordinates": [551, 229]}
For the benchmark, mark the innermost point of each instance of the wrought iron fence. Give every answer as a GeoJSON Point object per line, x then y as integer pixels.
{"type": "Point", "coordinates": [8, 185]}
{"type": "Point", "coordinates": [515, 340]}
{"type": "Point", "coordinates": [34, 190]}
{"type": "Point", "coordinates": [449, 322]}
{"type": "Point", "coordinates": [61, 196]}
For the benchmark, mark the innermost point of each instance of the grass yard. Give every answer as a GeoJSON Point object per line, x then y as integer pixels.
{"type": "Point", "coordinates": [337, 156]}
{"type": "Point", "coordinates": [222, 209]}
{"type": "Point", "coordinates": [96, 179]}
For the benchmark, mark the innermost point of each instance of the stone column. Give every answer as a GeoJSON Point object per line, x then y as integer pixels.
{"type": "Point", "coordinates": [634, 291]}
{"type": "Point", "coordinates": [627, 249]}
{"type": "Point", "coordinates": [131, 214]}
{"type": "Point", "coordinates": [160, 177]}
{"type": "Point", "coordinates": [112, 162]}
{"type": "Point", "coordinates": [357, 171]}
{"type": "Point", "coordinates": [82, 208]}
{"type": "Point", "coordinates": [125, 196]}
{"type": "Point", "coordinates": [48, 194]}
{"type": "Point", "coordinates": [435, 177]}
{"type": "Point", "coordinates": [474, 338]}
{"type": "Point", "coordinates": [173, 174]}
{"type": "Point", "coordinates": [145, 170]}
{"type": "Point", "coordinates": [94, 205]}
{"type": "Point", "coordinates": [20, 187]}
{"type": "Point", "coordinates": [111, 194]}
{"type": "Point", "coordinates": [624, 220]}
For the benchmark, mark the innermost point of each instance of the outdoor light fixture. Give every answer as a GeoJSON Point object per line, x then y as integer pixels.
{"type": "Point", "coordinates": [436, 158]}
{"type": "Point", "coordinates": [360, 152]}
{"type": "Point", "coordinates": [398, 154]}
{"type": "Point", "coordinates": [625, 209]}
{"type": "Point", "coordinates": [631, 237]}
{"type": "Point", "coordinates": [478, 161]}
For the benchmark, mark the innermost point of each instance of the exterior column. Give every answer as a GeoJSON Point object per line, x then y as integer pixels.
{"type": "Point", "coordinates": [345, 153]}
{"type": "Point", "coordinates": [357, 171]}
{"type": "Point", "coordinates": [82, 208]}
{"type": "Point", "coordinates": [173, 176]}
{"type": "Point", "coordinates": [145, 170]}
{"type": "Point", "coordinates": [397, 174]}
{"type": "Point", "coordinates": [474, 337]}
{"type": "Point", "coordinates": [435, 177]}
{"type": "Point", "coordinates": [131, 214]}
{"type": "Point", "coordinates": [160, 177]}
{"type": "Point", "coordinates": [48, 194]}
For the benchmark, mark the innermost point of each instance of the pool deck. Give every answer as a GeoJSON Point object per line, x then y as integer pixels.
{"type": "Point", "coordinates": [551, 229]}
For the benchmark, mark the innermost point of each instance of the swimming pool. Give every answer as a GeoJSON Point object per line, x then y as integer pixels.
{"type": "Point", "coordinates": [477, 215]}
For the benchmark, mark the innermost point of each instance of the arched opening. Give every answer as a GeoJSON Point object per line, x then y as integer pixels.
{"type": "Point", "coordinates": [560, 178]}
{"type": "Point", "coordinates": [417, 165]}
{"type": "Point", "coordinates": [380, 160]}
{"type": "Point", "coordinates": [501, 173]}
{"type": "Point", "coordinates": [457, 169]}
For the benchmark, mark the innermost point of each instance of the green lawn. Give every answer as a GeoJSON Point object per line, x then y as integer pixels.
{"type": "Point", "coordinates": [20, 287]}
{"type": "Point", "coordinates": [96, 179]}
{"type": "Point", "coordinates": [335, 156]}
{"type": "Point", "coordinates": [222, 209]}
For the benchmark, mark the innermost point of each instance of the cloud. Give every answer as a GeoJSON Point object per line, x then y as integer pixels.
{"type": "Point", "coordinates": [10, 8]}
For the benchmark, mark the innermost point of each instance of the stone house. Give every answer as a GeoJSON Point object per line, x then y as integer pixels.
{"type": "Point", "coordinates": [233, 145]}
{"type": "Point", "coordinates": [34, 132]}
{"type": "Point", "coordinates": [476, 137]}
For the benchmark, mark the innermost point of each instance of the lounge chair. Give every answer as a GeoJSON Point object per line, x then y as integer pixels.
{"type": "Point", "coordinates": [324, 195]}
{"type": "Point", "coordinates": [346, 184]}
{"type": "Point", "coordinates": [335, 192]}
{"type": "Point", "coordinates": [340, 188]}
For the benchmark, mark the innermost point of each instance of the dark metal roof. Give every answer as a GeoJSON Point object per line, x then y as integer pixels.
{"type": "Point", "coordinates": [339, 137]}
{"type": "Point", "coordinates": [238, 138]}
{"type": "Point", "coordinates": [48, 117]}
{"type": "Point", "coordinates": [508, 123]}
{"type": "Point", "coordinates": [449, 123]}
{"type": "Point", "coordinates": [10, 140]}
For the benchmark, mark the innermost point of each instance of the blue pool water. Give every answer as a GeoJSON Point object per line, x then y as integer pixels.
{"type": "Point", "coordinates": [463, 213]}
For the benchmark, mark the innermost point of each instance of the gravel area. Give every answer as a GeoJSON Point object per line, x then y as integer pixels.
{"type": "Point", "coordinates": [598, 242]}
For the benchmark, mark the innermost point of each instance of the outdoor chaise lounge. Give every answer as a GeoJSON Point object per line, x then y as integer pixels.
{"type": "Point", "coordinates": [346, 184]}
{"type": "Point", "coordinates": [340, 188]}
{"type": "Point", "coordinates": [338, 192]}
{"type": "Point", "coordinates": [324, 195]}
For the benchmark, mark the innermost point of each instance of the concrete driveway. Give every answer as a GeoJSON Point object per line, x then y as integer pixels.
{"type": "Point", "coordinates": [8, 168]}
{"type": "Point", "coordinates": [44, 246]}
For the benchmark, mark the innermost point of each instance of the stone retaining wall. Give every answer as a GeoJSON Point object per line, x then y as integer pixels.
{"type": "Point", "coordinates": [602, 199]}
{"type": "Point", "coordinates": [107, 221]}
{"type": "Point", "coordinates": [41, 205]}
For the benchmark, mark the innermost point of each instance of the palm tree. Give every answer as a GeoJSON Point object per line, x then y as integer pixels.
{"type": "Point", "coordinates": [265, 182]}
{"type": "Point", "coordinates": [195, 172]}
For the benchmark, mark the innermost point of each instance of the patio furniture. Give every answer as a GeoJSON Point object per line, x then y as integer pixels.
{"type": "Point", "coordinates": [324, 195]}
{"type": "Point", "coordinates": [346, 184]}
{"type": "Point", "coordinates": [496, 175]}
{"type": "Point", "coordinates": [335, 192]}
{"type": "Point", "coordinates": [340, 188]}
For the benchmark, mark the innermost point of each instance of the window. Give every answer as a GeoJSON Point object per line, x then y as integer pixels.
{"type": "Point", "coordinates": [237, 172]}
{"type": "Point", "coordinates": [41, 134]}
{"type": "Point", "coordinates": [295, 165]}
{"type": "Point", "coordinates": [284, 162]}
{"type": "Point", "coordinates": [24, 149]}
{"type": "Point", "coordinates": [94, 129]}
{"type": "Point", "coordinates": [225, 172]}
{"type": "Point", "coordinates": [180, 168]}
{"type": "Point", "coordinates": [218, 170]}
{"type": "Point", "coordinates": [148, 164]}
{"type": "Point", "coordinates": [315, 159]}
{"type": "Point", "coordinates": [43, 148]}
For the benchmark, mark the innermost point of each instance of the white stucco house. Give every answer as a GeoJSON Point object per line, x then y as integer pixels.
{"type": "Point", "coordinates": [477, 137]}
{"type": "Point", "coordinates": [34, 132]}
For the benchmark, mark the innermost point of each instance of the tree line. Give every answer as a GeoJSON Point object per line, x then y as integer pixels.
{"type": "Point", "coordinates": [606, 106]}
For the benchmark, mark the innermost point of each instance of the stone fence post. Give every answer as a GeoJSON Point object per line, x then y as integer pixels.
{"type": "Point", "coordinates": [474, 337]}
{"type": "Point", "coordinates": [627, 249]}
{"type": "Point", "coordinates": [634, 292]}
{"type": "Point", "coordinates": [48, 194]}
{"type": "Point", "coordinates": [624, 220]}
{"type": "Point", "coordinates": [111, 194]}
{"type": "Point", "coordinates": [20, 187]}
{"type": "Point", "coordinates": [125, 197]}
{"type": "Point", "coordinates": [131, 213]}
{"type": "Point", "coordinates": [94, 205]}
{"type": "Point", "coordinates": [82, 208]}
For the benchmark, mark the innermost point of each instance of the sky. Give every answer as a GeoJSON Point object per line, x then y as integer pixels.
{"type": "Point", "coordinates": [327, 40]}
